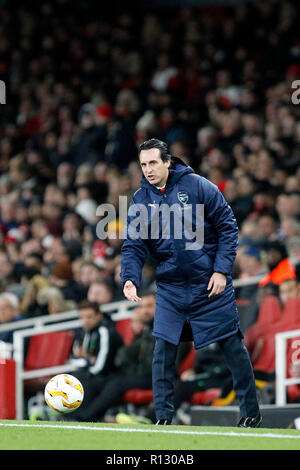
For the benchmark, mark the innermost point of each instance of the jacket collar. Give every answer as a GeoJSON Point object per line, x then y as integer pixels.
{"type": "Point", "coordinates": [177, 170]}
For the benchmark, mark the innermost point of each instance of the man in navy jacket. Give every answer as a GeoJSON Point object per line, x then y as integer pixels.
{"type": "Point", "coordinates": [183, 220]}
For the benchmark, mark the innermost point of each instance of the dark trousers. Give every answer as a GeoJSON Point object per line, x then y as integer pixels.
{"type": "Point", "coordinates": [102, 393]}
{"type": "Point", "coordinates": [239, 364]}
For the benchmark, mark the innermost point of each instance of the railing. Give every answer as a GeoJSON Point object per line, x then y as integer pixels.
{"type": "Point", "coordinates": [47, 324]}
{"type": "Point", "coordinates": [117, 311]}
{"type": "Point", "coordinates": [59, 322]}
{"type": "Point", "coordinates": [280, 363]}
{"type": "Point", "coordinates": [18, 356]}
{"type": "Point", "coordinates": [247, 281]}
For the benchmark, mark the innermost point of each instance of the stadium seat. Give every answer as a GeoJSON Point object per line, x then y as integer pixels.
{"type": "Point", "coordinates": [188, 362]}
{"type": "Point", "coordinates": [7, 388]}
{"type": "Point", "coordinates": [47, 350]}
{"type": "Point", "coordinates": [144, 397]}
{"type": "Point", "coordinates": [266, 359]}
{"type": "Point", "coordinates": [205, 397]}
{"type": "Point", "coordinates": [293, 354]}
{"type": "Point", "coordinates": [269, 313]}
{"type": "Point", "coordinates": [293, 392]}
{"type": "Point", "coordinates": [290, 318]}
{"type": "Point", "coordinates": [124, 328]}
{"type": "Point", "coordinates": [138, 396]}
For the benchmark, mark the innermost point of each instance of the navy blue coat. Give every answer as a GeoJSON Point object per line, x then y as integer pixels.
{"type": "Point", "coordinates": [182, 275]}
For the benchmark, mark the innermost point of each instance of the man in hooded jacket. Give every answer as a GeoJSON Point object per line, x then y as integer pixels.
{"type": "Point", "coordinates": [194, 283]}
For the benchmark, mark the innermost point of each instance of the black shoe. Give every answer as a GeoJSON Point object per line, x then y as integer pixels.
{"type": "Point", "coordinates": [250, 422]}
{"type": "Point", "coordinates": [163, 422]}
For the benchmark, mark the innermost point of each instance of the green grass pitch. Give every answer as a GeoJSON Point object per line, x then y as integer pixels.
{"type": "Point", "coordinates": [49, 435]}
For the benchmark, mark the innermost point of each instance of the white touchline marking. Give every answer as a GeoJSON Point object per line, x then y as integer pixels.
{"type": "Point", "coordinates": [162, 431]}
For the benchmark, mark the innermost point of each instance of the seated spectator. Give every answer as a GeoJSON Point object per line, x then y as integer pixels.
{"type": "Point", "coordinates": [117, 281]}
{"type": "Point", "coordinates": [289, 289]}
{"type": "Point", "coordinates": [114, 243]}
{"type": "Point", "coordinates": [288, 205]}
{"type": "Point", "coordinates": [51, 300]}
{"type": "Point", "coordinates": [89, 272]}
{"type": "Point", "coordinates": [6, 270]}
{"type": "Point", "coordinates": [33, 283]}
{"type": "Point", "coordinates": [293, 249]}
{"type": "Point", "coordinates": [34, 260]}
{"type": "Point", "coordinates": [267, 227]}
{"type": "Point", "coordinates": [280, 267]}
{"type": "Point", "coordinates": [9, 312]}
{"type": "Point", "coordinates": [72, 247]}
{"type": "Point", "coordinates": [133, 365]}
{"type": "Point", "coordinates": [289, 227]}
{"type": "Point", "coordinates": [54, 250]}
{"type": "Point", "coordinates": [95, 343]}
{"type": "Point", "coordinates": [65, 175]}
{"type": "Point", "coordinates": [100, 292]}
{"type": "Point", "coordinates": [62, 277]}
{"type": "Point", "coordinates": [250, 264]}
{"type": "Point", "coordinates": [72, 226]}
{"type": "Point", "coordinates": [288, 319]}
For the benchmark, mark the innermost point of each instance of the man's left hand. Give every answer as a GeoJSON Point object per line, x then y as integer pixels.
{"type": "Point", "coordinates": [217, 284]}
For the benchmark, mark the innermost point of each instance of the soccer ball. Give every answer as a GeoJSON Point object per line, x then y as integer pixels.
{"type": "Point", "coordinates": [64, 393]}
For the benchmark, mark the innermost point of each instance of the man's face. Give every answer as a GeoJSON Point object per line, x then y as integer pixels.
{"type": "Point", "coordinates": [5, 266]}
{"type": "Point", "coordinates": [146, 308]}
{"type": "Point", "coordinates": [99, 293]}
{"type": "Point", "coordinates": [7, 312]}
{"type": "Point", "coordinates": [273, 258]}
{"type": "Point", "coordinates": [154, 169]}
{"type": "Point", "coordinates": [288, 290]}
{"type": "Point", "coordinates": [89, 318]}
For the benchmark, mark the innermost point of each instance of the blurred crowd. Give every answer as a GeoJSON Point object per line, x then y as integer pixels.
{"type": "Point", "coordinates": [85, 87]}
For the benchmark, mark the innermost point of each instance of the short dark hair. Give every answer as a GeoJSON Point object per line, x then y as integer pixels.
{"type": "Point", "coordinates": [86, 304]}
{"type": "Point", "coordinates": [156, 144]}
{"type": "Point", "coordinates": [104, 282]}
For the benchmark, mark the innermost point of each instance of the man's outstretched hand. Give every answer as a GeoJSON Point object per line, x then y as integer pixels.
{"type": "Point", "coordinates": [130, 291]}
{"type": "Point", "coordinates": [217, 284]}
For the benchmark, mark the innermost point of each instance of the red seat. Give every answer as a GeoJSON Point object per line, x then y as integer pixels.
{"type": "Point", "coordinates": [205, 397]}
{"type": "Point", "coordinates": [269, 313]}
{"type": "Point", "coordinates": [188, 362]}
{"type": "Point", "coordinates": [124, 328]}
{"type": "Point", "coordinates": [266, 359]}
{"type": "Point", "coordinates": [293, 353]}
{"type": "Point", "coordinates": [290, 320]}
{"type": "Point", "coordinates": [290, 317]}
{"type": "Point", "coordinates": [138, 396]}
{"type": "Point", "coordinates": [47, 350]}
{"type": "Point", "coordinates": [293, 356]}
{"type": "Point", "coordinates": [144, 397]}
{"type": "Point", "coordinates": [198, 398]}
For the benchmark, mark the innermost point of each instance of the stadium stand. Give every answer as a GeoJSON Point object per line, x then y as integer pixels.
{"type": "Point", "coordinates": [269, 313]}
{"type": "Point", "coordinates": [46, 350]}
{"type": "Point", "coordinates": [85, 86]}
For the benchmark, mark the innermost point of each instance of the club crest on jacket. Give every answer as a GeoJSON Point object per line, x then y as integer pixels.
{"type": "Point", "coordinates": [183, 197]}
